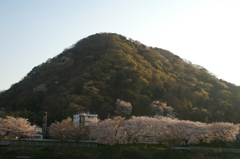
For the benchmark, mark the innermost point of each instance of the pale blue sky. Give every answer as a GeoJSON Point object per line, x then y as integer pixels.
{"type": "Point", "coordinates": [205, 32]}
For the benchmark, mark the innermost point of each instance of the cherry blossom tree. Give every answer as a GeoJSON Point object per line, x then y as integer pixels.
{"type": "Point", "coordinates": [135, 127]}
{"type": "Point", "coordinates": [79, 132]}
{"type": "Point", "coordinates": [123, 108]}
{"type": "Point", "coordinates": [161, 108]}
{"type": "Point", "coordinates": [223, 131]}
{"type": "Point", "coordinates": [186, 131]}
{"type": "Point", "coordinates": [62, 130]}
{"type": "Point", "coordinates": [174, 130]}
{"type": "Point", "coordinates": [165, 129]}
{"type": "Point", "coordinates": [141, 129]}
{"type": "Point", "coordinates": [3, 127]}
{"type": "Point", "coordinates": [65, 130]}
{"type": "Point", "coordinates": [19, 127]}
{"type": "Point", "coordinates": [92, 129]}
{"type": "Point", "coordinates": [106, 131]}
{"type": "Point", "coordinates": [201, 131]}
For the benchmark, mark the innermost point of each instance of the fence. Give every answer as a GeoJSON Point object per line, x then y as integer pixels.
{"type": "Point", "coordinates": [43, 143]}
{"type": "Point", "coordinates": [208, 149]}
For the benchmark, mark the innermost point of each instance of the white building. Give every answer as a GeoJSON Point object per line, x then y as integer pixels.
{"type": "Point", "coordinates": [84, 119]}
{"type": "Point", "coordinates": [38, 134]}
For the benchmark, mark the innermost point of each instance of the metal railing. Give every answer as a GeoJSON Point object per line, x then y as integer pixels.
{"type": "Point", "coordinates": [208, 149]}
{"type": "Point", "coordinates": [43, 143]}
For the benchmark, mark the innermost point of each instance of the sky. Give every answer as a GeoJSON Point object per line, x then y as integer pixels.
{"type": "Point", "coordinates": [205, 32]}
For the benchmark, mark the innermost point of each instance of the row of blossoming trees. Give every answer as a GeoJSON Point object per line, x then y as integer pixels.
{"type": "Point", "coordinates": [136, 129]}
{"type": "Point", "coordinates": [160, 129]}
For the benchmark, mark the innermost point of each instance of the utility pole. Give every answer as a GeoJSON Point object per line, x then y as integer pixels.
{"type": "Point", "coordinates": [44, 130]}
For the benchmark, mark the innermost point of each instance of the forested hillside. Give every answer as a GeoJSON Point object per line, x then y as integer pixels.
{"type": "Point", "coordinates": [92, 74]}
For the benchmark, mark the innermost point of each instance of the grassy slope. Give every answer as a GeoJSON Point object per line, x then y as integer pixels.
{"type": "Point", "coordinates": [129, 151]}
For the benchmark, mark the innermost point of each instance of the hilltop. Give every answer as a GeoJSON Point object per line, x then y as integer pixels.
{"type": "Point", "coordinates": [96, 71]}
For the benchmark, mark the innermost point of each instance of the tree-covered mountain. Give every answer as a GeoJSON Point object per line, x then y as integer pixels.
{"type": "Point", "coordinates": [96, 71]}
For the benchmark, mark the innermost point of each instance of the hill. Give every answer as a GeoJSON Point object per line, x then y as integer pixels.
{"type": "Point", "coordinates": [97, 70]}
